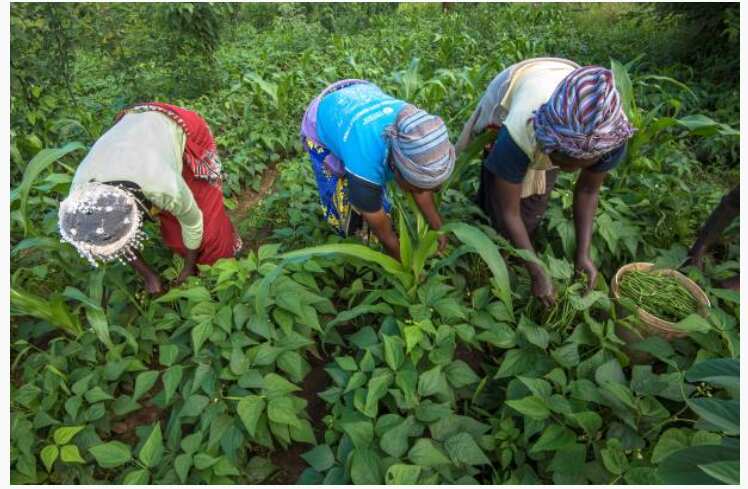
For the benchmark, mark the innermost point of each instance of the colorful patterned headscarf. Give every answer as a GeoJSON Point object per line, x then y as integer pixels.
{"type": "Point", "coordinates": [420, 148]}
{"type": "Point", "coordinates": [583, 118]}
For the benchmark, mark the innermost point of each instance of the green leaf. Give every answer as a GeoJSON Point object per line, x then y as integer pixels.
{"type": "Point", "coordinates": [182, 465]}
{"type": "Point", "coordinates": [693, 324]}
{"type": "Point", "coordinates": [143, 383]}
{"type": "Point", "coordinates": [425, 453]}
{"type": "Point", "coordinates": [347, 363]}
{"type": "Point", "coordinates": [683, 467]}
{"type": "Point", "coordinates": [70, 454]}
{"type": "Point", "coordinates": [250, 408]}
{"type": "Point", "coordinates": [610, 371]}
{"type": "Point", "coordinates": [320, 458]}
{"type": "Point", "coordinates": [193, 294]}
{"type": "Point", "coordinates": [302, 433]}
{"type": "Point", "coordinates": [534, 334]}
{"type": "Point", "coordinates": [670, 441]}
{"type": "Point", "coordinates": [614, 458]}
{"type": "Point", "coordinates": [365, 467]}
{"type": "Point", "coordinates": [112, 454]}
{"type": "Point", "coordinates": [722, 372]}
{"type": "Point", "coordinates": [97, 394]}
{"type": "Point", "coordinates": [49, 455]}
{"type": "Point", "coordinates": [194, 405]}
{"type": "Point", "coordinates": [459, 374]}
{"type": "Point", "coordinates": [432, 382]}
{"type": "Point", "coordinates": [357, 251]}
{"type": "Point", "coordinates": [167, 354]}
{"type": "Point", "coordinates": [377, 389]}
{"type": "Point", "coordinates": [358, 428]}
{"type": "Point", "coordinates": [725, 472]}
{"type": "Point", "coordinates": [153, 448]}
{"type": "Point", "coordinates": [203, 461]}
{"type": "Point", "coordinates": [531, 406]}
{"type": "Point", "coordinates": [200, 333]}
{"type": "Point", "coordinates": [590, 421]}
{"type": "Point", "coordinates": [393, 351]}
{"type": "Point", "coordinates": [721, 413]}
{"type": "Point", "coordinates": [463, 450]}
{"type": "Point", "coordinates": [281, 410]}
{"type": "Point", "coordinates": [402, 474]}
{"type": "Point", "coordinates": [64, 434]}
{"type": "Point", "coordinates": [172, 377]}
{"type": "Point", "coordinates": [394, 442]}
{"type": "Point", "coordinates": [137, 477]}
{"type": "Point", "coordinates": [38, 164]}
{"type": "Point", "coordinates": [555, 437]}
{"type": "Point", "coordinates": [489, 252]}
{"type": "Point", "coordinates": [276, 386]}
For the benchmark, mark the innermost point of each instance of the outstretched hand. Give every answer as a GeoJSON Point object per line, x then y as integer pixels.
{"type": "Point", "coordinates": [542, 288]}
{"type": "Point", "coordinates": [586, 266]}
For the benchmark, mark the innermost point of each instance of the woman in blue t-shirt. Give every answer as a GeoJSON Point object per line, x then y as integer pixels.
{"type": "Point", "coordinates": [550, 115]}
{"type": "Point", "coordinates": [359, 139]}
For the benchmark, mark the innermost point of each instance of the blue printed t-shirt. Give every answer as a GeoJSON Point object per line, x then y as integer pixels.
{"type": "Point", "coordinates": [351, 123]}
{"type": "Point", "coordinates": [508, 162]}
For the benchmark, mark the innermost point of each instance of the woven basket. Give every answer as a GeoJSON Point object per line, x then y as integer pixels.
{"type": "Point", "coordinates": [651, 324]}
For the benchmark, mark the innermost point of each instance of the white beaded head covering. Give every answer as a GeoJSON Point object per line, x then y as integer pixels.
{"type": "Point", "coordinates": [103, 222]}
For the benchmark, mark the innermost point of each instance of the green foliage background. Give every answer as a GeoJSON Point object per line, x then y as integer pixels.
{"type": "Point", "coordinates": [436, 370]}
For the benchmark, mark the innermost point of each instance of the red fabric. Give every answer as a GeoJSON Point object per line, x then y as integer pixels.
{"type": "Point", "coordinates": [201, 172]}
{"type": "Point", "coordinates": [219, 237]}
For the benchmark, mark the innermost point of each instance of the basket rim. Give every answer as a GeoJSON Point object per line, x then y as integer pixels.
{"type": "Point", "coordinates": [652, 320]}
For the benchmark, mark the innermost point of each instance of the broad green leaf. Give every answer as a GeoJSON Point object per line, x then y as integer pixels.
{"type": "Point", "coordinates": [97, 394]}
{"type": "Point", "coordinates": [425, 453]}
{"type": "Point", "coordinates": [393, 351]}
{"type": "Point", "coordinates": [394, 442]}
{"type": "Point", "coordinates": [347, 363]}
{"type": "Point", "coordinates": [70, 454]}
{"type": "Point", "coordinates": [194, 405]}
{"type": "Point", "coordinates": [614, 458]}
{"type": "Point", "coordinates": [489, 251]}
{"type": "Point", "coordinates": [555, 437]}
{"type": "Point", "coordinates": [200, 333]}
{"type": "Point", "coordinates": [402, 474]}
{"type": "Point", "coordinates": [143, 383]}
{"type": "Point", "coordinates": [463, 450]}
{"type": "Point", "coordinates": [670, 441]}
{"type": "Point", "coordinates": [693, 324]}
{"type": "Point", "coordinates": [459, 374]}
{"type": "Point", "coordinates": [137, 477]}
{"type": "Point", "coordinates": [193, 294]}
{"type": "Point", "coordinates": [683, 467]}
{"type": "Point", "coordinates": [721, 413]}
{"type": "Point", "coordinates": [64, 434]}
{"type": "Point", "coordinates": [167, 354]}
{"type": "Point", "coordinates": [531, 406]}
{"type": "Point", "coordinates": [203, 461]}
{"type": "Point", "coordinates": [38, 164]}
{"type": "Point", "coordinates": [302, 433]}
{"type": "Point", "coordinates": [153, 448]}
{"type": "Point", "coordinates": [276, 386]}
{"type": "Point", "coordinates": [590, 421]}
{"type": "Point", "coordinates": [320, 458]}
{"type": "Point", "coordinates": [722, 372]}
{"type": "Point", "coordinates": [49, 455]}
{"type": "Point", "coordinates": [726, 472]}
{"type": "Point", "coordinates": [357, 251]}
{"type": "Point", "coordinates": [281, 410]}
{"type": "Point", "coordinates": [365, 467]}
{"type": "Point", "coordinates": [377, 389]}
{"type": "Point", "coordinates": [610, 371]}
{"type": "Point", "coordinates": [182, 465]}
{"type": "Point", "coordinates": [112, 454]}
{"type": "Point", "coordinates": [171, 378]}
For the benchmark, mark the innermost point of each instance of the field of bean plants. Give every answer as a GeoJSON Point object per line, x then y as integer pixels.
{"type": "Point", "coordinates": [312, 359]}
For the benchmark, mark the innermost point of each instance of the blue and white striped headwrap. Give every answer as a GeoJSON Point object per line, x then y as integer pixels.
{"type": "Point", "coordinates": [583, 118]}
{"type": "Point", "coordinates": [420, 148]}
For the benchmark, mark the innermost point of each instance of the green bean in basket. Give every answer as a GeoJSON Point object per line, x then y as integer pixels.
{"type": "Point", "coordinates": [658, 294]}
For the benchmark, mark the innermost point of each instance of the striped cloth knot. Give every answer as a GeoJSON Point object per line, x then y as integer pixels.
{"type": "Point", "coordinates": [420, 148]}
{"type": "Point", "coordinates": [584, 117]}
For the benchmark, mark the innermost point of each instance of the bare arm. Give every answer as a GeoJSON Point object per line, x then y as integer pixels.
{"type": "Point", "coordinates": [152, 281]}
{"type": "Point", "coordinates": [586, 193]}
{"type": "Point", "coordinates": [508, 197]}
{"type": "Point", "coordinates": [189, 266]}
{"type": "Point", "coordinates": [382, 227]}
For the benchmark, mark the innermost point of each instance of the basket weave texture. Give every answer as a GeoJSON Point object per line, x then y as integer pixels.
{"type": "Point", "coordinates": [651, 324]}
